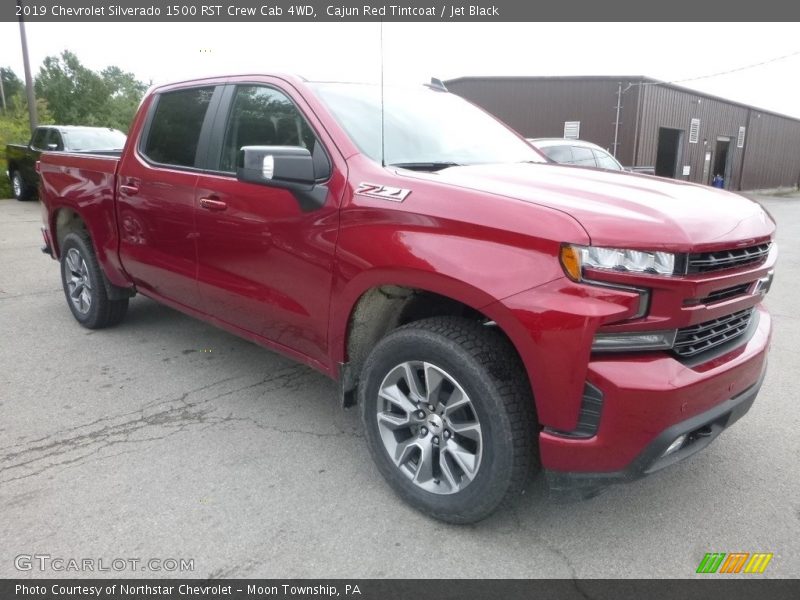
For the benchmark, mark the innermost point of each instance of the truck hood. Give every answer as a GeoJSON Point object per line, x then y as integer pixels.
{"type": "Point", "coordinates": [623, 209]}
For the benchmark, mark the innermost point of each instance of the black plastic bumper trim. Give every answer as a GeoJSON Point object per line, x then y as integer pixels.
{"type": "Point", "coordinates": [705, 427]}
{"type": "Point", "coordinates": [588, 417]}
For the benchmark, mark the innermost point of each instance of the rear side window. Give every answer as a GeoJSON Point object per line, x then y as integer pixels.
{"type": "Point", "coordinates": [263, 116]}
{"type": "Point", "coordinates": [175, 128]}
{"type": "Point", "coordinates": [38, 140]}
{"type": "Point", "coordinates": [560, 154]}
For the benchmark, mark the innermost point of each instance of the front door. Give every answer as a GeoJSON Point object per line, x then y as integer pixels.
{"type": "Point", "coordinates": [265, 262]}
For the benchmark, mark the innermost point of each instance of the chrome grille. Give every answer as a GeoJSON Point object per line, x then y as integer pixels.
{"type": "Point", "coordinates": [702, 262]}
{"type": "Point", "coordinates": [693, 340]}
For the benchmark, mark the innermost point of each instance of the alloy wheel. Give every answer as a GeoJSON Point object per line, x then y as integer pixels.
{"type": "Point", "coordinates": [79, 284]}
{"type": "Point", "coordinates": [429, 427]}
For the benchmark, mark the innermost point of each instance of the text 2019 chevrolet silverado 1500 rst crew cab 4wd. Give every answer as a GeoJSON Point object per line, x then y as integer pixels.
{"type": "Point", "coordinates": [490, 313]}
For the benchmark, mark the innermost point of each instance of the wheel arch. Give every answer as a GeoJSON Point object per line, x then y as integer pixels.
{"type": "Point", "coordinates": [65, 220]}
{"type": "Point", "coordinates": [370, 311]}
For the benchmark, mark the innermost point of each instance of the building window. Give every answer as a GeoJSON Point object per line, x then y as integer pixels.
{"type": "Point", "coordinates": [694, 131]}
{"type": "Point", "coordinates": [572, 130]}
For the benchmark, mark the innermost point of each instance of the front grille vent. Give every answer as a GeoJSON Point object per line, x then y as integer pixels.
{"type": "Point", "coordinates": [726, 294]}
{"type": "Point", "coordinates": [693, 340]}
{"type": "Point", "coordinates": [702, 262]}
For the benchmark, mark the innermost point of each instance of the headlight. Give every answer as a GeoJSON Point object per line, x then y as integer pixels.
{"type": "Point", "coordinates": [575, 259]}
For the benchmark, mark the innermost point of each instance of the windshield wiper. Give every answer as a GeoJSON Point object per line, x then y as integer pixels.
{"type": "Point", "coordinates": [425, 166]}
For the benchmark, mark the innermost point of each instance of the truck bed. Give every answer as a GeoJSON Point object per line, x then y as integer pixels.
{"type": "Point", "coordinates": [85, 184]}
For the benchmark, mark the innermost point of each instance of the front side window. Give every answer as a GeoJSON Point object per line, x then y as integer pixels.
{"type": "Point", "coordinates": [606, 161]}
{"type": "Point", "coordinates": [262, 116]}
{"type": "Point", "coordinates": [53, 141]}
{"type": "Point", "coordinates": [560, 154]}
{"type": "Point", "coordinates": [175, 128]}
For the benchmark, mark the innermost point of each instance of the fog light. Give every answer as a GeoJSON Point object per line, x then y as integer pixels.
{"type": "Point", "coordinates": [676, 445]}
{"type": "Point", "coordinates": [649, 340]}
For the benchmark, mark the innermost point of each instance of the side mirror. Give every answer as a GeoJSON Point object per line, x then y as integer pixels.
{"type": "Point", "coordinates": [52, 147]}
{"type": "Point", "coordinates": [278, 166]}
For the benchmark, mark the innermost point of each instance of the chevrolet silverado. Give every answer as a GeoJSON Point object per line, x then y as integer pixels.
{"type": "Point", "coordinates": [490, 313]}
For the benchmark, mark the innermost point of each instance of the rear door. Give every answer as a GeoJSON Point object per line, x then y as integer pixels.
{"type": "Point", "coordinates": [156, 190]}
{"type": "Point", "coordinates": [265, 260]}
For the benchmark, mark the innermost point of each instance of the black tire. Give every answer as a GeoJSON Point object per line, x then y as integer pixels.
{"type": "Point", "coordinates": [18, 186]}
{"type": "Point", "coordinates": [78, 262]}
{"type": "Point", "coordinates": [487, 368]}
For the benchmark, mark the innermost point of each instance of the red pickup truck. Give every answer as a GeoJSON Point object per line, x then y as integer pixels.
{"type": "Point", "coordinates": [491, 314]}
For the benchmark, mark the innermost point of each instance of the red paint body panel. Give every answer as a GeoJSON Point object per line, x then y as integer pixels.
{"type": "Point", "coordinates": [85, 186]}
{"type": "Point", "coordinates": [488, 236]}
{"type": "Point", "coordinates": [264, 265]}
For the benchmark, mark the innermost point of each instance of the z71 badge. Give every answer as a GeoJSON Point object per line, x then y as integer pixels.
{"type": "Point", "coordinates": [384, 192]}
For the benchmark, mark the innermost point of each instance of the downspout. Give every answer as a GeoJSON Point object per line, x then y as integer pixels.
{"type": "Point", "coordinates": [616, 121]}
{"type": "Point", "coordinates": [744, 148]}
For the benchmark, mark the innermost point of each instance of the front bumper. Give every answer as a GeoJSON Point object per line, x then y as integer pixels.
{"type": "Point", "coordinates": [700, 430]}
{"type": "Point", "coordinates": [648, 402]}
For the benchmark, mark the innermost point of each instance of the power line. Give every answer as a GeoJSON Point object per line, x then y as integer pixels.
{"type": "Point", "coordinates": [719, 73]}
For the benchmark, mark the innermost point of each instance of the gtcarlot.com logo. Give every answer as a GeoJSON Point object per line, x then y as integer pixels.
{"type": "Point", "coordinates": [46, 562]}
{"type": "Point", "coordinates": [734, 562]}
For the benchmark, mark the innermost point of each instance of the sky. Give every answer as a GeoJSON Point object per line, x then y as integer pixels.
{"type": "Point", "coordinates": [415, 52]}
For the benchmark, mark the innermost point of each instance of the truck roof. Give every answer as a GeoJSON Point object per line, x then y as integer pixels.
{"type": "Point", "coordinates": [67, 128]}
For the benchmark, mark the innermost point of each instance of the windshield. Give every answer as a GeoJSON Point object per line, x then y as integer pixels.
{"type": "Point", "coordinates": [94, 139]}
{"type": "Point", "coordinates": [423, 128]}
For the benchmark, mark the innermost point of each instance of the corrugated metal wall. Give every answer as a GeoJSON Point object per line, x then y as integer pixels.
{"type": "Point", "coordinates": [664, 106]}
{"type": "Point", "coordinates": [772, 152]}
{"type": "Point", "coordinates": [539, 107]}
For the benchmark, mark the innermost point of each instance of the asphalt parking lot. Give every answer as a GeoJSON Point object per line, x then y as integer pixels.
{"type": "Point", "coordinates": [165, 438]}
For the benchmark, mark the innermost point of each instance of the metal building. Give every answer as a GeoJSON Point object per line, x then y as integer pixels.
{"type": "Point", "coordinates": [679, 132]}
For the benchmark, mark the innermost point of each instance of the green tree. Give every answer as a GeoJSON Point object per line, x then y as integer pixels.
{"type": "Point", "coordinates": [79, 96]}
{"type": "Point", "coordinates": [13, 88]}
{"type": "Point", "coordinates": [124, 94]}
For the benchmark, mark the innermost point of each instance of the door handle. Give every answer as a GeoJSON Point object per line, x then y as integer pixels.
{"type": "Point", "coordinates": [212, 204]}
{"type": "Point", "coordinates": [129, 190]}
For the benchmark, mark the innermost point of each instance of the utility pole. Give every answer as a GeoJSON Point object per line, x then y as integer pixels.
{"type": "Point", "coordinates": [34, 118]}
{"type": "Point", "coordinates": [616, 120]}
{"type": "Point", "coordinates": [2, 91]}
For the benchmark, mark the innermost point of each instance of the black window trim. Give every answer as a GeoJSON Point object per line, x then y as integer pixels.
{"type": "Point", "coordinates": [223, 114]}
{"type": "Point", "coordinates": [202, 141]}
